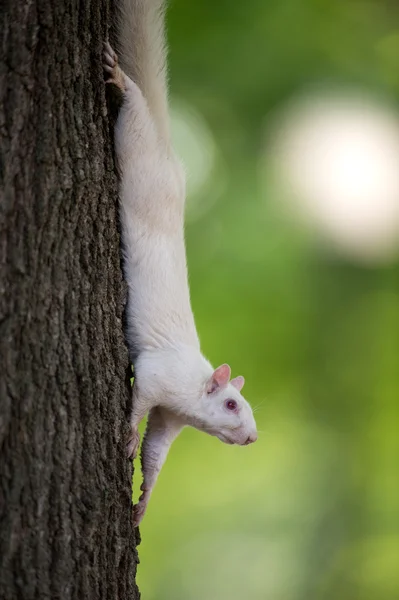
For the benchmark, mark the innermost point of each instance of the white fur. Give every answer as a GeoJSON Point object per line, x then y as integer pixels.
{"type": "Point", "coordinates": [142, 49]}
{"type": "Point", "coordinates": [172, 378]}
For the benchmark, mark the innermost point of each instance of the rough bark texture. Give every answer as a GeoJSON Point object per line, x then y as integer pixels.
{"type": "Point", "coordinates": [65, 485]}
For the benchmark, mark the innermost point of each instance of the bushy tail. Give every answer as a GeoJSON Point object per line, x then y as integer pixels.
{"type": "Point", "coordinates": [141, 47]}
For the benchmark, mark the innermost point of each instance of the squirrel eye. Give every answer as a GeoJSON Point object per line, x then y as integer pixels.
{"type": "Point", "coordinates": [231, 405]}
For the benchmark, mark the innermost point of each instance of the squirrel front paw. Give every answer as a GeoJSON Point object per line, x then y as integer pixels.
{"type": "Point", "coordinates": [133, 443]}
{"type": "Point", "coordinates": [138, 513]}
{"type": "Point", "coordinates": [140, 508]}
{"type": "Point", "coordinates": [110, 65]}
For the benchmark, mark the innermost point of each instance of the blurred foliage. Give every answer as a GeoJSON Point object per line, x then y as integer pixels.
{"type": "Point", "coordinates": [311, 510]}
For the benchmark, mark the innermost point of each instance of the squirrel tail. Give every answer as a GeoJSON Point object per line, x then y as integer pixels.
{"type": "Point", "coordinates": [141, 46]}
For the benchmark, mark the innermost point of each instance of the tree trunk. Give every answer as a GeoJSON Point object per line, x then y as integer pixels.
{"type": "Point", "coordinates": [65, 484]}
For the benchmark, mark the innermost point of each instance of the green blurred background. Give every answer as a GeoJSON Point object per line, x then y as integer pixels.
{"type": "Point", "coordinates": [311, 510]}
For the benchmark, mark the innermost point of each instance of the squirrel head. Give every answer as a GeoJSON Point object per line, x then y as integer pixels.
{"type": "Point", "coordinates": [225, 412]}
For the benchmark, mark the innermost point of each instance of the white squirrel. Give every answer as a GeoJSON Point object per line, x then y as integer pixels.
{"type": "Point", "coordinates": [174, 383]}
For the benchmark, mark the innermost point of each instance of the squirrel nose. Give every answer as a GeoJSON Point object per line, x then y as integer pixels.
{"type": "Point", "coordinates": [251, 438]}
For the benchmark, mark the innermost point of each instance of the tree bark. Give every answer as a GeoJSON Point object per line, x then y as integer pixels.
{"type": "Point", "coordinates": [65, 484]}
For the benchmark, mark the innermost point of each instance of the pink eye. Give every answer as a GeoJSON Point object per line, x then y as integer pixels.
{"type": "Point", "coordinates": [231, 405]}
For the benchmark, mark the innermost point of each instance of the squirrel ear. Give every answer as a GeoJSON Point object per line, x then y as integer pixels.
{"type": "Point", "coordinates": [220, 378]}
{"type": "Point", "coordinates": [238, 382]}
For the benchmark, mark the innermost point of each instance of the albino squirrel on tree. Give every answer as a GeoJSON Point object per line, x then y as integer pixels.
{"type": "Point", "coordinates": [173, 382]}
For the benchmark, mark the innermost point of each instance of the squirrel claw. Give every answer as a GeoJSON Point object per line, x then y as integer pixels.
{"type": "Point", "coordinates": [138, 512]}
{"type": "Point", "coordinates": [114, 73]}
{"type": "Point", "coordinates": [109, 50]}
